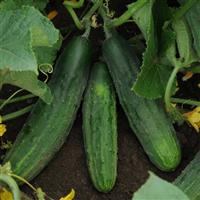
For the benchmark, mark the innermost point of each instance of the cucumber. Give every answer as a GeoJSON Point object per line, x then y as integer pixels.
{"type": "Point", "coordinates": [147, 118]}
{"type": "Point", "coordinates": [100, 129]}
{"type": "Point", "coordinates": [48, 125]}
{"type": "Point", "coordinates": [189, 180]}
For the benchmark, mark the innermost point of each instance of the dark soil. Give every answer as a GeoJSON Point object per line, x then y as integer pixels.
{"type": "Point", "coordinates": [68, 168]}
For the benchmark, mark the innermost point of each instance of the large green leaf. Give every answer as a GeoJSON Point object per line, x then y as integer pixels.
{"type": "Point", "coordinates": [193, 19]}
{"type": "Point", "coordinates": [22, 33]}
{"type": "Point", "coordinates": [152, 79]}
{"type": "Point", "coordinates": [158, 189]}
{"type": "Point", "coordinates": [15, 4]}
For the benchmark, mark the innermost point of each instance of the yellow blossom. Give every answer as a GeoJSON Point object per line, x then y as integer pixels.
{"type": "Point", "coordinates": [193, 118]}
{"type": "Point", "coordinates": [2, 128]}
{"type": "Point", "coordinates": [70, 196]}
{"type": "Point", "coordinates": [5, 194]}
{"type": "Point", "coordinates": [52, 14]}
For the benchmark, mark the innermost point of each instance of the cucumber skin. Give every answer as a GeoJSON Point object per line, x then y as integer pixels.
{"type": "Point", "coordinates": [100, 129]}
{"type": "Point", "coordinates": [48, 125]}
{"type": "Point", "coordinates": [147, 118]}
{"type": "Point", "coordinates": [189, 180]}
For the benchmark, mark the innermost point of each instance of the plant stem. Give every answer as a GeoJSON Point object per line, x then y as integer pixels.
{"type": "Point", "coordinates": [7, 100]}
{"type": "Point", "coordinates": [28, 184]}
{"type": "Point", "coordinates": [106, 20]}
{"type": "Point", "coordinates": [186, 101]}
{"type": "Point", "coordinates": [168, 90]}
{"type": "Point", "coordinates": [89, 14]}
{"type": "Point", "coordinates": [18, 99]}
{"type": "Point", "coordinates": [74, 17]}
{"type": "Point", "coordinates": [16, 113]}
{"type": "Point", "coordinates": [24, 181]}
{"type": "Point", "coordinates": [72, 4]}
{"type": "Point", "coordinates": [12, 185]}
{"type": "Point", "coordinates": [87, 30]}
{"type": "Point", "coordinates": [184, 9]}
{"type": "Point", "coordinates": [132, 8]}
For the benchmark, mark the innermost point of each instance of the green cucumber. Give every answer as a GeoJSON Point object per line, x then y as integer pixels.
{"type": "Point", "coordinates": [48, 125]}
{"type": "Point", "coordinates": [100, 129]}
{"type": "Point", "coordinates": [189, 180]}
{"type": "Point", "coordinates": [147, 118]}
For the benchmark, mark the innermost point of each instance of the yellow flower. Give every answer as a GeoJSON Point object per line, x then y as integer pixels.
{"type": "Point", "coordinates": [70, 196]}
{"type": "Point", "coordinates": [2, 128]}
{"type": "Point", "coordinates": [193, 118]}
{"type": "Point", "coordinates": [5, 194]}
{"type": "Point", "coordinates": [52, 14]}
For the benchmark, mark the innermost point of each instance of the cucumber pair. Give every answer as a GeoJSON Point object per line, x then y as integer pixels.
{"type": "Point", "coordinates": [147, 118]}
{"type": "Point", "coordinates": [49, 125]}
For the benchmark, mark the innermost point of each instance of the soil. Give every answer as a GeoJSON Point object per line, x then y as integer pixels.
{"type": "Point", "coordinates": [68, 168]}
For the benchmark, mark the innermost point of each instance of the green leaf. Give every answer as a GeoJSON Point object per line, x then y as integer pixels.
{"type": "Point", "coordinates": [158, 189]}
{"type": "Point", "coordinates": [193, 19]}
{"type": "Point", "coordinates": [184, 42]}
{"type": "Point", "coordinates": [24, 33]}
{"type": "Point", "coordinates": [15, 4]}
{"type": "Point", "coordinates": [167, 53]}
{"type": "Point", "coordinates": [46, 55]}
{"type": "Point", "coordinates": [28, 80]}
{"type": "Point", "coordinates": [152, 79]}
{"type": "Point", "coordinates": [152, 82]}
{"type": "Point", "coordinates": [143, 18]}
